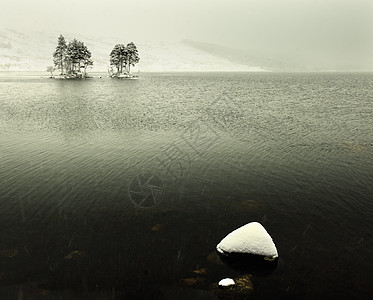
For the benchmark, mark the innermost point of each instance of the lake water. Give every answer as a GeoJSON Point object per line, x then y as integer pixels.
{"type": "Point", "coordinates": [120, 189]}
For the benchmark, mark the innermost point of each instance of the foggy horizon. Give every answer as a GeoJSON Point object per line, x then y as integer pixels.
{"type": "Point", "coordinates": [311, 31]}
{"type": "Point", "coordinates": [239, 24]}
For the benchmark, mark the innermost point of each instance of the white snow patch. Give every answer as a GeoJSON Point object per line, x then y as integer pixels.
{"type": "Point", "coordinates": [251, 238]}
{"type": "Point", "coordinates": [226, 282]}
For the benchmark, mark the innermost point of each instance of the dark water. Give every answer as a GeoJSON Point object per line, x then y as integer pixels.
{"type": "Point", "coordinates": [120, 189]}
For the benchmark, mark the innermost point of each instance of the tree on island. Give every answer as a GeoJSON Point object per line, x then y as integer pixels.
{"type": "Point", "coordinates": [50, 69]}
{"type": "Point", "coordinates": [133, 56]}
{"type": "Point", "coordinates": [118, 57]}
{"type": "Point", "coordinates": [86, 60]}
{"type": "Point", "coordinates": [122, 58]}
{"type": "Point", "coordinates": [60, 54]}
{"type": "Point", "coordinates": [72, 58]}
{"type": "Point", "coordinates": [77, 57]}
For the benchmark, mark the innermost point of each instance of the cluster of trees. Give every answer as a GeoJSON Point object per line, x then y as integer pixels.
{"type": "Point", "coordinates": [122, 58]}
{"type": "Point", "coordinates": [72, 59]}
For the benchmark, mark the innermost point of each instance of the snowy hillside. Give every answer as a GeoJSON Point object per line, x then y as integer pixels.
{"type": "Point", "coordinates": [33, 52]}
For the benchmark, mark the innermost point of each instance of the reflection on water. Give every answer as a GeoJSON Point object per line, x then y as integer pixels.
{"type": "Point", "coordinates": [89, 168]}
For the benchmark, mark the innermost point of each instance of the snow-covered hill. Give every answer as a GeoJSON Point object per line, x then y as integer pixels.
{"type": "Point", "coordinates": [33, 52]}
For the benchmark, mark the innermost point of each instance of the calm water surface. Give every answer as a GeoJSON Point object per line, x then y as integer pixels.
{"type": "Point", "coordinates": [120, 189]}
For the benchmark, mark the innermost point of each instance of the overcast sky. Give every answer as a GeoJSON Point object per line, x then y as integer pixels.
{"type": "Point", "coordinates": [251, 24]}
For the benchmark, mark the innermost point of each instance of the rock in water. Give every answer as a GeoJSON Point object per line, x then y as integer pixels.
{"type": "Point", "coordinates": [251, 238]}
{"type": "Point", "coordinates": [237, 288]}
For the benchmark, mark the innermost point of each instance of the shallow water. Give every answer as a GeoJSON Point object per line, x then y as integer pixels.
{"type": "Point", "coordinates": [142, 178]}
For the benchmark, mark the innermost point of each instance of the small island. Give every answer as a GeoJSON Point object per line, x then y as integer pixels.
{"type": "Point", "coordinates": [71, 59]}
{"type": "Point", "coordinates": [122, 58]}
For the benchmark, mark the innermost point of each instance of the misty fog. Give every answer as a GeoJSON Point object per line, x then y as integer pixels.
{"type": "Point", "coordinates": [315, 33]}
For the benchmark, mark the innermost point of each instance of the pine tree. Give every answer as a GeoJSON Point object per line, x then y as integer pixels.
{"type": "Point", "coordinates": [78, 57]}
{"type": "Point", "coordinates": [60, 53]}
{"type": "Point", "coordinates": [124, 57]}
{"type": "Point", "coordinates": [132, 56]}
{"type": "Point", "coordinates": [118, 57]}
{"type": "Point", "coordinates": [72, 55]}
{"type": "Point", "coordinates": [85, 58]}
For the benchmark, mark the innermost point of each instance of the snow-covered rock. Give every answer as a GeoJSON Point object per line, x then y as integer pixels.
{"type": "Point", "coordinates": [251, 238]}
{"type": "Point", "coordinates": [226, 282]}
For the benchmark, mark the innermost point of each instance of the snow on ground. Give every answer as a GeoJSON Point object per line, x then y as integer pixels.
{"type": "Point", "coordinates": [33, 52]}
{"type": "Point", "coordinates": [251, 238]}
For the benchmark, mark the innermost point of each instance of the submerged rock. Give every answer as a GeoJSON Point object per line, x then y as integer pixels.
{"type": "Point", "coordinates": [251, 239]}
{"type": "Point", "coordinates": [214, 258]}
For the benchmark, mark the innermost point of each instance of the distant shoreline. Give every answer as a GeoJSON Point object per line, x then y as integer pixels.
{"type": "Point", "coordinates": [151, 71]}
{"type": "Point", "coordinates": [104, 74]}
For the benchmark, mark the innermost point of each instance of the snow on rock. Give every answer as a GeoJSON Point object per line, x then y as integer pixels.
{"type": "Point", "coordinates": [226, 282]}
{"type": "Point", "coordinates": [251, 238]}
